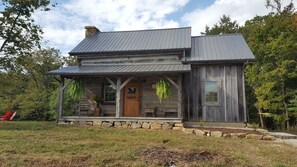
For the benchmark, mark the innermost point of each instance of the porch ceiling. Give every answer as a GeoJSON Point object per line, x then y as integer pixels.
{"type": "Point", "coordinates": [121, 69]}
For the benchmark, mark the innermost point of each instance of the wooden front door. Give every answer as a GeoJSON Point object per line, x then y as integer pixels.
{"type": "Point", "coordinates": [132, 100]}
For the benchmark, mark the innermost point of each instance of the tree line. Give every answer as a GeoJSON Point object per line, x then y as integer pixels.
{"type": "Point", "coordinates": [271, 81]}
{"type": "Point", "coordinates": [271, 87]}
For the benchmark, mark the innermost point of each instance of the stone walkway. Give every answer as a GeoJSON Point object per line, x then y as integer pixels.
{"type": "Point", "coordinates": [292, 142]}
{"type": "Point", "coordinates": [283, 135]}
{"type": "Point", "coordinates": [285, 138]}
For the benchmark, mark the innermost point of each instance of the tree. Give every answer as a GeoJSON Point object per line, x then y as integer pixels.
{"type": "Point", "coordinates": [224, 26]}
{"type": "Point", "coordinates": [273, 40]}
{"type": "Point", "coordinates": [18, 31]}
{"type": "Point", "coordinates": [29, 90]}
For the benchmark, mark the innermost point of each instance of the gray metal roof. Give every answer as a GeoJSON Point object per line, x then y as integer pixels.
{"type": "Point", "coordinates": [121, 69]}
{"type": "Point", "coordinates": [142, 40]}
{"type": "Point", "coordinates": [229, 47]}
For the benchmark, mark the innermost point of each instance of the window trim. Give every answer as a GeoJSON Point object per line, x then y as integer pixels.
{"type": "Point", "coordinates": [219, 86]}
{"type": "Point", "coordinates": [104, 91]}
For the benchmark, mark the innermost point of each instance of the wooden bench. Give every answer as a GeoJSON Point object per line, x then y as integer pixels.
{"type": "Point", "coordinates": [150, 111]}
{"type": "Point", "coordinates": [169, 111]}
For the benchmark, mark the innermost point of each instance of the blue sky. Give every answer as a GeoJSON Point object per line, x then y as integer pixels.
{"type": "Point", "coordinates": [63, 26]}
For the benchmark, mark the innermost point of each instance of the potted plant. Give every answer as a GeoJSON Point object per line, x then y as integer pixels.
{"type": "Point", "coordinates": [99, 101]}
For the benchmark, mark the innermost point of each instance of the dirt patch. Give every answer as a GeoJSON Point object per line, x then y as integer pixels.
{"type": "Point", "coordinates": [228, 131]}
{"type": "Point", "coordinates": [161, 156]}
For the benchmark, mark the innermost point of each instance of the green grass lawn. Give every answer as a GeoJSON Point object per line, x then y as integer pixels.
{"type": "Point", "coordinates": [47, 144]}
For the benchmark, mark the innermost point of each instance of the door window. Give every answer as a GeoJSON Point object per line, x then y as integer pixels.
{"type": "Point", "coordinates": [131, 90]}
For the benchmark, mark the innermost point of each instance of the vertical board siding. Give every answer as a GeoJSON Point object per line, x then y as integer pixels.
{"type": "Point", "coordinates": [214, 112]}
{"type": "Point", "coordinates": [240, 93]}
{"type": "Point", "coordinates": [200, 83]}
{"type": "Point", "coordinates": [195, 93]}
{"type": "Point", "coordinates": [230, 93]}
{"type": "Point", "coordinates": [187, 95]}
{"type": "Point", "coordinates": [234, 93]}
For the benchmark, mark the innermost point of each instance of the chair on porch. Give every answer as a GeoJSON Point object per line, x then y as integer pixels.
{"type": "Point", "coordinates": [86, 107]}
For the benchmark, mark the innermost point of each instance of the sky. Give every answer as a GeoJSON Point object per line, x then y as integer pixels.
{"type": "Point", "coordinates": [64, 24]}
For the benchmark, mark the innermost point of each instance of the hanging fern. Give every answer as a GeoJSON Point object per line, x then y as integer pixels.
{"type": "Point", "coordinates": [77, 89]}
{"type": "Point", "coordinates": [163, 90]}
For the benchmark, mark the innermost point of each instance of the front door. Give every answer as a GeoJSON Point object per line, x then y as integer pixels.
{"type": "Point", "coordinates": [131, 100]}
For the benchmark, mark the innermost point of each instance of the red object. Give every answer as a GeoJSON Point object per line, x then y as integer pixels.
{"type": "Point", "coordinates": [14, 113]}
{"type": "Point", "coordinates": [6, 117]}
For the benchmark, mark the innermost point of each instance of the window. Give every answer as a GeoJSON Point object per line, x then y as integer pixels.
{"type": "Point", "coordinates": [109, 93]}
{"type": "Point", "coordinates": [131, 90]}
{"type": "Point", "coordinates": [211, 92]}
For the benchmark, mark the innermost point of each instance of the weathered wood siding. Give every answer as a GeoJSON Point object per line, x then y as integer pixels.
{"type": "Point", "coordinates": [148, 97]}
{"type": "Point", "coordinates": [139, 59]}
{"type": "Point", "coordinates": [230, 107]}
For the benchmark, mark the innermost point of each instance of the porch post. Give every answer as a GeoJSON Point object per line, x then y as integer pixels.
{"type": "Point", "coordinates": [179, 98]}
{"type": "Point", "coordinates": [61, 98]}
{"type": "Point", "coordinates": [118, 98]}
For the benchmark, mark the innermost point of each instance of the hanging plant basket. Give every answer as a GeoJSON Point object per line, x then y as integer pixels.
{"type": "Point", "coordinates": [163, 90]}
{"type": "Point", "coordinates": [77, 89]}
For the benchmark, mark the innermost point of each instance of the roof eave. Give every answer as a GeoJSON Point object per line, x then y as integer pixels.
{"type": "Point", "coordinates": [122, 73]}
{"type": "Point", "coordinates": [128, 51]}
{"type": "Point", "coordinates": [218, 61]}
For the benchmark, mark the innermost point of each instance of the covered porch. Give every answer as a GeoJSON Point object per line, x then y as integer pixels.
{"type": "Point", "coordinates": [128, 93]}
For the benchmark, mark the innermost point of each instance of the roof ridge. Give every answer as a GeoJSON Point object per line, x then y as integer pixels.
{"type": "Point", "coordinates": [145, 30]}
{"type": "Point", "coordinates": [216, 35]}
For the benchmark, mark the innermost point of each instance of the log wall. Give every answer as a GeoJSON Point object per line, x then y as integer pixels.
{"type": "Point", "coordinates": [148, 97]}
{"type": "Point", "coordinates": [131, 60]}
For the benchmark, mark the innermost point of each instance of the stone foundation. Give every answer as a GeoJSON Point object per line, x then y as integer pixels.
{"type": "Point", "coordinates": [155, 125]}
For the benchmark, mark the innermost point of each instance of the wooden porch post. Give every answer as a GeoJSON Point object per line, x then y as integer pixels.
{"type": "Point", "coordinates": [61, 98]}
{"type": "Point", "coordinates": [118, 98]}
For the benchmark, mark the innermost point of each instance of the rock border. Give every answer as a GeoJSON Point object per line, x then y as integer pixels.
{"type": "Point", "coordinates": [159, 125]}
{"type": "Point", "coordinates": [219, 134]}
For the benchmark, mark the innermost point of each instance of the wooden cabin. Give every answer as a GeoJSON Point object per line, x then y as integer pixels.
{"type": "Point", "coordinates": [206, 74]}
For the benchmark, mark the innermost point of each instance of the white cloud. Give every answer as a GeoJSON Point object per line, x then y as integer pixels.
{"type": "Point", "coordinates": [63, 25]}
{"type": "Point", "coordinates": [239, 10]}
